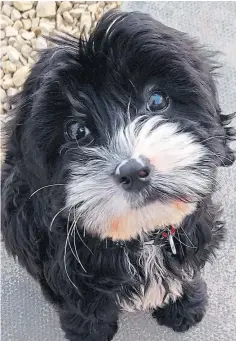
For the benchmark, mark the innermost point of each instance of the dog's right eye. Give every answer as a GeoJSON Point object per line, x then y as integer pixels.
{"type": "Point", "coordinates": [76, 131]}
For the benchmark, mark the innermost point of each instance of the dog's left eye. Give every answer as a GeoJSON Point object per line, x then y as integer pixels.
{"type": "Point", "coordinates": [157, 101]}
{"type": "Point", "coordinates": [76, 131]}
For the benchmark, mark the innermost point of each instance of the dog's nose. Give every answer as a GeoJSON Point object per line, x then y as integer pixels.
{"type": "Point", "coordinates": [133, 174]}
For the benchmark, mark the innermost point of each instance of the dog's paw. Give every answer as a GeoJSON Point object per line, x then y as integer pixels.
{"type": "Point", "coordinates": [179, 321]}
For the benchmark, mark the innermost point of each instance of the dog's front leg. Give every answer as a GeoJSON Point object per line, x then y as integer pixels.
{"type": "Point", "coordinates": [187, 310]}
{"type": "Point", "coordinates": [98, 322]}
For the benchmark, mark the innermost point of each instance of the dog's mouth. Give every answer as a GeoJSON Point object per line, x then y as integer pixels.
{"type": "Point", "coordinates": [148, 218]}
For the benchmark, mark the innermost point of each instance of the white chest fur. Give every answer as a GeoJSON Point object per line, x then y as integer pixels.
{"type": "Point", "coordinates": [153, 292]}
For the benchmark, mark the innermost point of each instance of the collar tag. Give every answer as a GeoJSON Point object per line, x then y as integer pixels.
{"type": "Point", "coordinates": [172, 244]}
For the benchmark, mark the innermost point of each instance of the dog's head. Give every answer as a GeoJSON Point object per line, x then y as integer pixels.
{"type": "Point", "coordinates": [125, 128]}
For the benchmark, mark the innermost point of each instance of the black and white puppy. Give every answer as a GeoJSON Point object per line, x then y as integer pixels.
{"type": "Point", "coordinates": [110, 166]}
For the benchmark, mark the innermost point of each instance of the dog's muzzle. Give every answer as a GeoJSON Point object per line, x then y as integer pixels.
{"type": "Point", "coordinates": [134, 173]}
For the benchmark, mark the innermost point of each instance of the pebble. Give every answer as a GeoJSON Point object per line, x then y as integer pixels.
{"type": "Point", "coordinates": [1, 73]}
{"type": "Point", "coordinates": [85, 20]}
{"type": "Point", "coordinates": [26, 24]}
{"type": "Point", "coordinates": [11, 41]}
{"type": "Point", "coordinates": [20, 76]}
{"type": "Point", "coordinates": [64, 6]}
{"type": "Point", "coordinates": [3, 50]}
{"type": "Point", "coordinates": [77, 12]}
{"type": "Point", "coordinates": [29, 14]}
{"type": "Point", "coordinates": [8, 66]}
{"type": "Point", "coordinates": [11, 31]}
{"type": "Point", "coordinates": [68, 18]}
{"type": "Point", "coordinates": [27, 35]}
{"type": "Point", "coordinates": [7, 83]}
{"type": "Point", "coordinates": [12, 91]}
{"type": "Point", "coordinates": [18, 25]}
{"type": "Point", "coordinates": [34, 23]}
{"type": "Point", "coordinates": [23, 5]}
{"type": "Point", "coordinates": [5, 21]}
{"type": "Point", "coordinates": [3, 95]}
{"type": "Point", "coordinates": [15, 14]}
{"type": "Point", "coordinates": [59, 21]}
{"type": "Point", "coordinates": [13, 54]}
{"type": "Point", "coordinates": [23, 60]}
{"type": "Point", "coordinates": [41, 43]}
{"type": "Point", "coordinates": [6, 9]}
{"type": "Point", "coordinates": [46, 27]}
{"type": "Point", "coordinates": [46, 8]}
{"type": "Point", "coordinates": [2, 35]}
{"type": "Point", "coordinates": [26, 50]}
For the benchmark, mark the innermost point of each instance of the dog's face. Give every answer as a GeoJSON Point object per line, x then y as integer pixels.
{"type": "Point", "coordinates": [129, 122]}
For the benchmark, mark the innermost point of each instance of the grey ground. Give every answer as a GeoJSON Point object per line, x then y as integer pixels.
{"type": "Point", "coordinates": [25, 314]}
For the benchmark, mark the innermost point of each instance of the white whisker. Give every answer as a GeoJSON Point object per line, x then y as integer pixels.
{"type": "Point", "coordinates": [39, 189]}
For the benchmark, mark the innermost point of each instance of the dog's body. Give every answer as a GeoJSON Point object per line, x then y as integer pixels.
{"type": "Point", "coordinates": [110, 168]}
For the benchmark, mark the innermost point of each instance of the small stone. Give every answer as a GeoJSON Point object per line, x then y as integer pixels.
{"type": "Point", "coordinates": [3, 43]}
{"type": "Point", "coordinates": [5, 58]}
{"type": "Point", "coordinates": [1, 73]}
{"type": "Point", "coordinates": [76, 13]}
{"type": "Point", "coordinates": [6, 9]}
{"type": "Point", "coordinates": [41, 43]}
{"type": "Point", "coordinates": [37, 31]}
{"type": "Point", "coordinates": [32, 13]}
{"type": "Point", "coordinates": [23, 60]}
{"type": "Point", "coordinates": [18, 25]}
{"type": "Point", "coordinates": [59, 21]}
{"type": "Point", "coordinates": [23, 5]}
{"type": "Point", "coordinates": [85, 21]}
{"type": "Point", "coordinates": [6, 106]}
{"type": "Point", "coordinates": [3, 50]}
{"type": "Point", "coordinates": [26, 50]}
{"type": "Point", "coordinates": [8, 67]}
{"type": "Point", "coordinates": [26, 24]}
{"type": "Point", "coordinates": [64, 6]}
{"type": "Point", "coordinates": [3, 95]}
{"type": "Point", "coordinates": [11, 41]}
{"type": "Point", "coordinates": [2, 35]}
{"type": "Point", "coordinates": [20, 76]}
{"type": "Point", "coordinates": [27, 35]}
{"type": "Point", "coordinates": [15, 14]}
{"type": "Point", "coordinates": [34, 54]}
{"type": "Point", "coordinates": [33, 43]}
{"type": "Point", "coordinates": [29, 14]}
{"type": "Point", "coordinates": [46, 8]}
{"type": "Point", "coordinates": [11, 31]}
{"type": "Point", "coordinates": [12, 91]}
{"type": "Point", "coordinates": [20, 42]}
{"type": "Point", "coordinates": [7, 83]}
{"type": "Point", "coordinates": [31, 61]}
{"type": "Point", "coordinates": [68, 18]}
{"type": "Point", "coordinates": [5, 21]}
{"type": "Point", "coordinates": [18, 64]}
{"type": "Point", "coordinates": [13, 54]}
{"type": "Point", "coordinates": [34, 23]}
{"type": "Point", "coordinates": [93, 8]}
{"type": "Point", "coordinates": [46, 27]}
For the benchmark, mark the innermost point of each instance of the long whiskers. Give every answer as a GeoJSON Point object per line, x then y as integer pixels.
{"type": "Point", "coordinates": [39, 189]}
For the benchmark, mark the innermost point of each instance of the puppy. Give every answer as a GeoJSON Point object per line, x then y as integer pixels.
{"type": "Point", "coordinates": [110, 167]}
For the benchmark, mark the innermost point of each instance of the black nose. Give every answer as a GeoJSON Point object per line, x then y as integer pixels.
{"type": "Point", "coordinates": [133, 173]}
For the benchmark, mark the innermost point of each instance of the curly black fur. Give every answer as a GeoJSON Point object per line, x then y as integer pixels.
{"type": "Point", "coordinates": [95, 76]}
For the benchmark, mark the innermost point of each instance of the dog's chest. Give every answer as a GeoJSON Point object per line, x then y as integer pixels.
{"type": "Point", "coordinates": [156, 286]}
